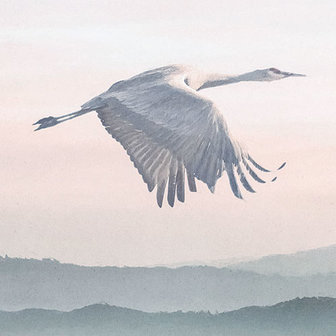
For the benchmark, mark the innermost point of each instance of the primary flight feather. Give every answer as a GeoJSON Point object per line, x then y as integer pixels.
{"type": "Point", "coordinates": [171, 133]}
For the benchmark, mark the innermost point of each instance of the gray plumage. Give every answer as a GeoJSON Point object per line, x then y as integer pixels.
{"type": "Point", "coordinates": [169, 130]}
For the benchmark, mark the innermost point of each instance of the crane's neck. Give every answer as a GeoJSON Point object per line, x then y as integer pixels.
{"type": "Point", "coordinates": [218, 80]}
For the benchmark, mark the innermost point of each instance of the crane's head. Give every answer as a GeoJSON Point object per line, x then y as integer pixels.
{"type": "Point", "coordinates": [271, 74]}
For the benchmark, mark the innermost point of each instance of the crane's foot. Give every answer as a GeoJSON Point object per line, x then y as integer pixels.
{"type": "Point", "coordinates": [46, 122]}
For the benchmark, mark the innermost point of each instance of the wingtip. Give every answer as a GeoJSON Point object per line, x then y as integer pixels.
{"type": "Point", "coordinates": [159, 202]}
{"type": "Point", "coordinates": [180, 199]}
{"type": "Point", "coordinates": [237, 192]}
{"type": "Point", "coordinates": [150, 187]}
{"type": "Point", "coordinates": [283, 165]}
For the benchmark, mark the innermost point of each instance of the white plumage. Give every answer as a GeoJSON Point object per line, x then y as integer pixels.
{"type": "Point", "coordinates": [172, 133]}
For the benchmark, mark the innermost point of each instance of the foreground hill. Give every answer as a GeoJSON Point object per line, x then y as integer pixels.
{"type": "Point", "coordinates": [307, 316]}
{"type": "Point", "coordinates": [52, 285]}
{"type": "Point", "coordinates": [321, 260]}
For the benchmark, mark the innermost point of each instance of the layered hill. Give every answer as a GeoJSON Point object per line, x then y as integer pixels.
{"type": "Point", "coordinates": [321, 260]}
{"type": "Point", "coordinates": [29, 283]}
{"type": "Point", "coordinates": [307, 316]}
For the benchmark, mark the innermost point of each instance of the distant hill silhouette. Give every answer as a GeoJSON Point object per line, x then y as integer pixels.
{"type": "Point", "coordinates": [308, 262]}
{"type": "Point", "coordinates": [30, 283]}
{"type": "Point", "coordinates": [307, 316]}
{"type": "Point", "coordinates": [321, 260]}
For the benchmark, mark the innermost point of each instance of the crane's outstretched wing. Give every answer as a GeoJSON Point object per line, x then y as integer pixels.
{"type": "Point", "coordinates": [170, 131]}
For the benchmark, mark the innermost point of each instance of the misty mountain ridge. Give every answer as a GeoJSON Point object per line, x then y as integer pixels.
{"type": "Point", "coordinates": [316, 261]}
{"type": "Point", "coordinates": [213, 263]}
{"type": "Point", "coordinates": [308, 262]}
{"type": "Point", "coordinates": [306, 316]}
{"type": "Point", "coordinates": [321, 260]}
{"type": "Point", "coordinates": [31, 283]}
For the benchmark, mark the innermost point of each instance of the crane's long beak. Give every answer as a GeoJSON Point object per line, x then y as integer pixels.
{"type": "Point", "coordinates": [292, 74]}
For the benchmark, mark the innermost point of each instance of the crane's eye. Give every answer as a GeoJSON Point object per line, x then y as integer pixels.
{"type": "Point", "coordinates": [275, 70]}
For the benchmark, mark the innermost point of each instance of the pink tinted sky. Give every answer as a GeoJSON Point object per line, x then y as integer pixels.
{"type": "Point", "coordinates": [71, 193]}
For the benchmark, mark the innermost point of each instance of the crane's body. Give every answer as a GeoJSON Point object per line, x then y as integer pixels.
{"type": "Point", "coordinates": [170, 131]}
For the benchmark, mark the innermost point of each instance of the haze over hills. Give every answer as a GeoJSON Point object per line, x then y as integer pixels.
{"type": "Point", "coordinates": [307, 316]}
{"type": "Point", "coordinates": [30, 283]}
{"type": "Point", "coordinates": [214, 263]}
{"type": "Point", "coordinates": [321, 260]}
{"type": "Point", "coordinates": [308, 262]}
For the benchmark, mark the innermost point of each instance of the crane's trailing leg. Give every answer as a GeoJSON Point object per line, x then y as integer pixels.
{"type": "Point", "coordinates": [52, 121]}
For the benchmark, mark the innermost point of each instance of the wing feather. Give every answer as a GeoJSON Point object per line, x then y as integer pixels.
{"type": "Point", "coordinates": [180, 182]}
{"type": "Point", "coordinates": [191, 182]}
{"type": "Point", "coordinates": [172, 182]}
{"type": "Point", "coordinates": [160, 192]}
{"type": "Point", "coordinates": [233, 182]}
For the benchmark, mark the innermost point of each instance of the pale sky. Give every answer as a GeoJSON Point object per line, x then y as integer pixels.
{"type": "Point", "coordinates": [71, 193]}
